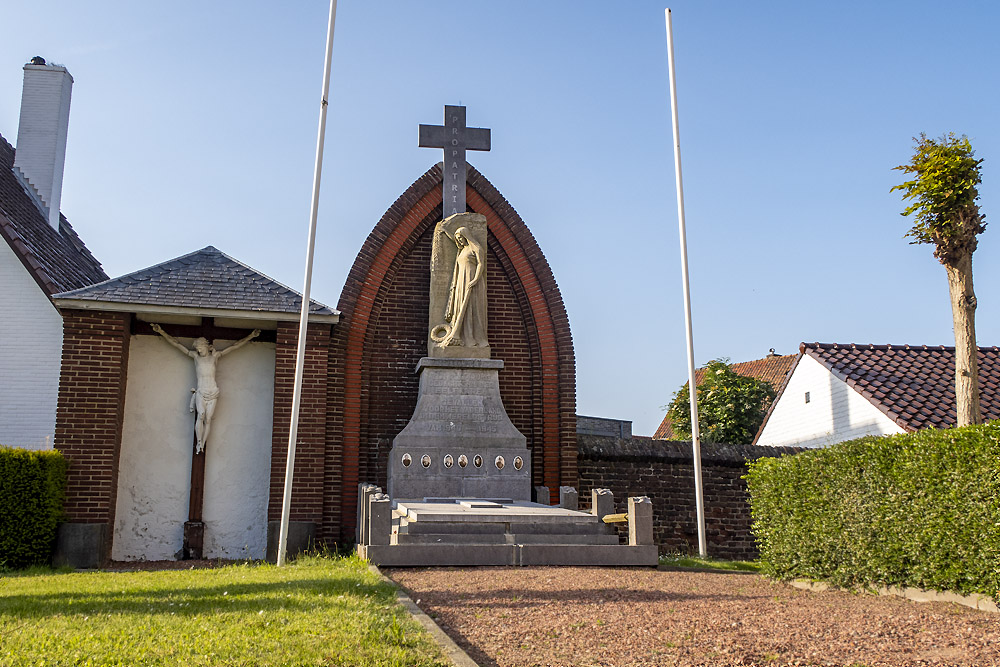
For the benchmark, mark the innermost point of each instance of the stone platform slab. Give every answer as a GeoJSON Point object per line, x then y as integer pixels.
{"type": "Point", "coordinates": [521, 512]}
{"type": "Point", "coordinates": [470, 555]}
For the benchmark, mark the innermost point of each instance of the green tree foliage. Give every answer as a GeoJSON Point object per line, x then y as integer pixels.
{"type": "Point", "coordinates": [945, 212]}
{"type": "Point", "coordinates": [944, 196]}
{"type": "Point", "coordinates": [731, 407]}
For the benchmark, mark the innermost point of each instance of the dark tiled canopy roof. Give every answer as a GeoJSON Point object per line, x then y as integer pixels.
{"type": "Point", "coordinates": [913, 385]}
{"type": "Point", "coordinates": [773, 368]}
{"type": "Point", "coordinates": [58, 261]}
{"type": "Point", "coordinates": [205, 279]}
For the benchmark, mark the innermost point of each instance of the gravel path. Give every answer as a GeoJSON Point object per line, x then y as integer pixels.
{"type": "Point", "coordinates": [514, 617]}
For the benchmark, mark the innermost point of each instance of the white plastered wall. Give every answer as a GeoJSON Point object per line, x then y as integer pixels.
{"type": "Point", "coordinates": [835, 411]}
{"type": "Point", "coordinates": [154, 475]}
{"type": "Point", "coordinates": [30, 357]}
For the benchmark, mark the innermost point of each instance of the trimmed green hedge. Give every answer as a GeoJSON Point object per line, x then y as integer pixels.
{"type": "Point", "coordinates": [921, 509]}
{"type": "Point", "coordinates": [32, 489]}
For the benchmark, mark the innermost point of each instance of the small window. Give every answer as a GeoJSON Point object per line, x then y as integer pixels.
{"type": "Point", "coordinates": [807, 397]}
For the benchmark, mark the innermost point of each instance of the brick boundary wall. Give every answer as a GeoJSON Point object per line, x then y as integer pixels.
{"type": "Point", "coordinates": [382, 334]}
{"type": "Point", "coordinates": [664, 471]}
{"type": "Point", "coordinates": [91, 409]}
{"type": "Point", "coordinates": [308, 493]}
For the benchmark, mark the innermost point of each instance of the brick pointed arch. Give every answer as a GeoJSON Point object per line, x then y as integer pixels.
{"type": "Point", "coordinates": [381, 336]}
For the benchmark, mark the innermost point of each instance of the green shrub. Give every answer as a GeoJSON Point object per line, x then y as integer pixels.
{"type": "Point", "coordinates": [921, 509]}
{"type": "Point", "coordinates": [32, 488]}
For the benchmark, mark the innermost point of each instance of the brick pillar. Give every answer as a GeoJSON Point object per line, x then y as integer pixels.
{"type": "Point", "coordinates": [307, 490]}
{"type": "Point", "coordinates": [89, 430]}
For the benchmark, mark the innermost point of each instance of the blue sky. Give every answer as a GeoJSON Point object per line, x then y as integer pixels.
{"type": "Point", "coordinates": [195, 124]}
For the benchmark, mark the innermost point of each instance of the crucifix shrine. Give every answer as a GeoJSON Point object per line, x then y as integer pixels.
{"type": "Point", "coordinates": [203, 400]}
{"type": "Point", "coordinates": [455, 138]}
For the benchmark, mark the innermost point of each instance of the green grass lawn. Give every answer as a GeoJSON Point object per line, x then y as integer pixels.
{"type": "Point", "coordinates": [709, 563]}
{"type": "Point", "coordinates": [317, 611]}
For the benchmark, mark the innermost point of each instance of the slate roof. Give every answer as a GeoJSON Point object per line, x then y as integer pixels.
{"type": "Point", "coordinates": [773, 368]}
{"type": "Point", "coordinates": [205, 279]}
{"type": "Point", "coordinates": [912, 385]}
{"type": "Point", "coordinates": [58, 261]}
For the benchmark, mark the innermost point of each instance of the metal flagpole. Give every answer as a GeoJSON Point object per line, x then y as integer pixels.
{"type": "Point", "coordinates": [300, 356]}
{"type": "Point", "coordinates": [692, 386]}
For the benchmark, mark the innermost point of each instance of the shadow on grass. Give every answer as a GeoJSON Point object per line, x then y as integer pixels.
{"type": "Point", "coordinates": [224, 598]}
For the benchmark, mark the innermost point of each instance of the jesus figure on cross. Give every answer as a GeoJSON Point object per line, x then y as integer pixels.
{"type": "Point", "coordinates": [205, 396]}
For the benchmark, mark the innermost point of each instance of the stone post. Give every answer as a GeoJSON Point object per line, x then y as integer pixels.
{"type": "Point", "coordinates": [602, 503]}
{"type": "Point", "coordinates": [364, 490]}
{"type": "Point", "coordinates": [569, 498]}
{"type": "Point", "coordinates": [542, 495]}
{"type": "Point", "coordinates": [379, 519]}
{"type": "Point", "coordinates": [640, 521]}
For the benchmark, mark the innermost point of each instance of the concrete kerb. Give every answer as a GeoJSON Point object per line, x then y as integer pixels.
{"type": "Point", "coordinates": [452, 651]}
{"type": "Point", "coordinates": [980, 602]}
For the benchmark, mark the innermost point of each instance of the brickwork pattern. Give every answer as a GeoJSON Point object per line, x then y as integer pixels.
{"type": "Point", "coordinates": [382, 335]}
{"type": "Point", "coordinates": [308, 491]}
{"type": "Point", "coordinates": [90, 410]}
{"type": "Point", "coordinates": [664, 471]}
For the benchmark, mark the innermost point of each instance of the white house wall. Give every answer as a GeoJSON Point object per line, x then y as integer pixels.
{"type": "Point", "coordinates": [835, 411]}
{"type": "Point", "coordinates": [30, 357]}
{"type": "Point", "coordinates": [154, 476]}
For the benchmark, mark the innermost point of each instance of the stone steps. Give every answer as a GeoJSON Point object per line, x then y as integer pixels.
{"type": "Point", "coordinates": [462, 532]}
{"type": "Point", "coordinates": [590, 527]}
{"type": "Point", "coordinates": [501, 538]}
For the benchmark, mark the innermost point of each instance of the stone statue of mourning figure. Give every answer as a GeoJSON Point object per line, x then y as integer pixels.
{"type": "Point", "coordinates": [205, 396]}
{"type": "Point", "coordinates": [460, 442]}
{"type": "Point", "coordinates": [458, 288]}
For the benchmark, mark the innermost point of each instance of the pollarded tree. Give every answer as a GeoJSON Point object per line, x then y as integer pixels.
{"type": "Point", "coordinates": [731, 407]}
{"type": "Point", "coordinates": [946, 213]}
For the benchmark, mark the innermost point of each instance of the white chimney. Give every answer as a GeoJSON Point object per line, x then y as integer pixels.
{"type": "Point", "coordinates": [41, 131]}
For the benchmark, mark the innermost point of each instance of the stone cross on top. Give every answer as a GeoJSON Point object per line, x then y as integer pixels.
{"type": "Point", "coordinates": [455, 138]}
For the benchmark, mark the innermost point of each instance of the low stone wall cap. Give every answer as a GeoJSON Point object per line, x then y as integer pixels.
{"type": "Point", "coordinates": [602, 447]}
{"type": "Point", "coordinates": [431, 362]}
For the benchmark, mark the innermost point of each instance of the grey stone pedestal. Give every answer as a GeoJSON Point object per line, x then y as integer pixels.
{"type": "Point", "coordinates": [459, 443]}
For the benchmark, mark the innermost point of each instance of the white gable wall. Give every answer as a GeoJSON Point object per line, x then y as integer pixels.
{"type": "Point", "coordinates": [154, 474]}
{"type": "Point", "coordinates": [835, 411]}
{"type": "Point", "coordinates": [30, 357]}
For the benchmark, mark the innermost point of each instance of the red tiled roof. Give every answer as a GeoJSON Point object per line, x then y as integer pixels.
{"type": "Point", "coordinates": [912, 385]}
{"type": "Point", "coordinates": [773, 368]}
{"type": "Point", "coordinates": [57, 261]}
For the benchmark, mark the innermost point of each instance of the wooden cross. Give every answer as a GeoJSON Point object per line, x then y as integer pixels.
{"type": "Point", "coordinates": [194, 527]}
{"type": "Point", "coordinates": [455, 138]}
